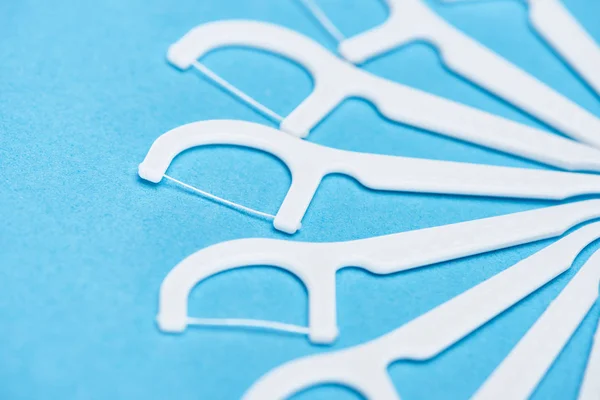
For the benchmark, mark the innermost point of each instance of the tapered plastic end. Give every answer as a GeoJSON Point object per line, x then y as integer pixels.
{"type": "Point", "coordinates": [181, 56]}
{"type": "Point", "coordinates": [148, 173]}
{"type": "Point", "coordinates": [171, 324]}
{"type": "Point", "coordinates": [323, 336]}
{"type": "Point", "coordinates": [286, 227]}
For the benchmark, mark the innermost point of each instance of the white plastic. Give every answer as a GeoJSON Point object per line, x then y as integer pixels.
{"type": "Point", "coordinates": [563, 32]}
{"type": "Point", "coordinates": [590, 388]}
{"type": "Point", "coordinates": [525, 366]}
{"type": "Point", "coordinates": [411, 20]}
{"type": "Point", "coordinates": [364, 367]}
{"type": "Point", "coordinates": [316, 264]}
{"type": "Point", "coordinates": [309, 163]}
{"type": "Point", "coordinates": [336, 80]}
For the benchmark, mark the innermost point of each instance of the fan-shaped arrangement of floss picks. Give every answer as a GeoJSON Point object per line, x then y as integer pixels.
{"type": "Point", "coordinates": [364, 367]}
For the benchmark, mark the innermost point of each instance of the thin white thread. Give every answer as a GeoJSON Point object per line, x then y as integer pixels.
{"type": "Point", "coordinates": [228, 203]}
{"type": "Point", "coordinates": [249, 323]}
{"type": "Point", "coordinates": [325, 22]}
{"type": "Point", "coordinates": [237, 92]}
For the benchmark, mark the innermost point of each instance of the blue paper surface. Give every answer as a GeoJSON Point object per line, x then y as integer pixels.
{"type": "Point", "coordinates": [85, 244]}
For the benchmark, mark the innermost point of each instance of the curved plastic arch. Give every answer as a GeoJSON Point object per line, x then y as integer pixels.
{"type": "Point", "coordinates": [309, 163]}
{"type": "Point", "coordinates": [353, 368]}
{"type": "Point", "coordinates": [336, 80]}
{"type": "Point", "coordinates": [291, 257]}
{"type": "Point", "coordinates": [216, 132]}
{"type": "Point", "coordinates": [202, 39]}
{"type": "Point", "coordinates": [364, 367]}
{"type": "Point", "coordinates": [316, 264]}
{"type": "Point", "coordinates": [298, 156]}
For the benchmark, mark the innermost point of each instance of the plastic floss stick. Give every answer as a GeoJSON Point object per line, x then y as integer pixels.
{"type": "Point", "coordinates": [316, 264]}
{"type": "Point", "coordinates": [309, 163]}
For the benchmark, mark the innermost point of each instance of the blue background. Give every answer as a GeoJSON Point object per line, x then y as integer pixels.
{"type": "Point", "coordinates": [84, 244]}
